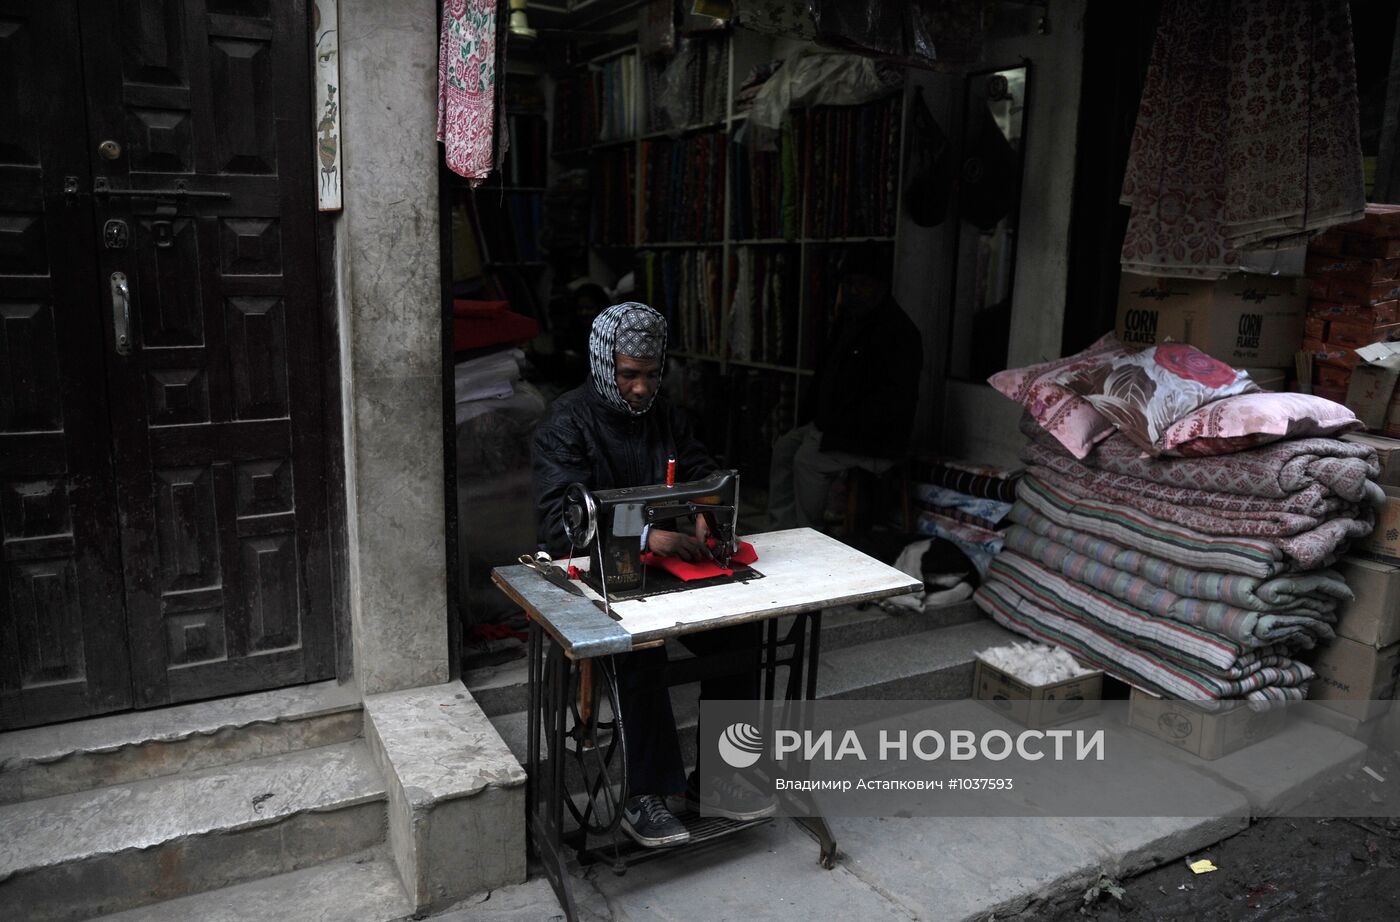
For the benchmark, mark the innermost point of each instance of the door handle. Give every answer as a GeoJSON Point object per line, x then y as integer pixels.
{"type": "Point", "coordinates": [179, 191]}
{"type": "Point", "coordinates": [121, 314]}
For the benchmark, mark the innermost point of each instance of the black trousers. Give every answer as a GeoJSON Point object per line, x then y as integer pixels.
{"type": "Point", "coordinates": [654, 764]}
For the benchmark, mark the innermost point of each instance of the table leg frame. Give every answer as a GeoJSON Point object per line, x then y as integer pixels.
{"type": "Point", "coordinates": [549, 672]}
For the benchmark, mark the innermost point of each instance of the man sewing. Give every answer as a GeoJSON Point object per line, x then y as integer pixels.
{"type": "Point", "coordinates": [865, 390]}
{"type": "Point", "coordinates": [616, 430]}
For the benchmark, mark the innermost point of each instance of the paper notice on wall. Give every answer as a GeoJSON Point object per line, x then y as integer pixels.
{"type": "Point", "coordinates": [325, 22]}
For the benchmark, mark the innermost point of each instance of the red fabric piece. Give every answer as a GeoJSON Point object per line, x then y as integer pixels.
{"type": "Point", "coordinates": [481, 633]}
{"type": "Point", "coordinates": [705, 569]}
{"type": "Point", "coordinates": [478, 324]}
{"type": "Point", "coordinates": [469, 307]}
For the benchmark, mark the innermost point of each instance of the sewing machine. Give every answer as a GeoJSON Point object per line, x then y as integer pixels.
{"type": "Point", "coordinates": [608, 525]}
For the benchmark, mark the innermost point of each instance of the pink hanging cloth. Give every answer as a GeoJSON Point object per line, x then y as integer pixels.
{"type": "Point", "coordinates": [467, 86]}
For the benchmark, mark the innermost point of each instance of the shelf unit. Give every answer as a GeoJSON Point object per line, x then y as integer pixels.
{"type": "Point", "coordinates": [496, 224]}
{"type": "Point", "coordinates": [744, 50]}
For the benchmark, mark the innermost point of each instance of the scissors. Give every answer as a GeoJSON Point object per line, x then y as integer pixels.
{"type": "Point", "coordinates": [542, 564]}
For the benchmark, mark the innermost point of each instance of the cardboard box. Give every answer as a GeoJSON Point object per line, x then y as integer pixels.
{"type": "Point", "coordinates": [1387, 451]}
{"type": "Point", "coordinates": [1351, 290]}
{"type": "Point", "coordinates": [1384, 312]}
{"type": "Point", "coordinates": [1332, 377]}
{"type": "Point", "coordinates": [1372, 383]}
{"type": "Point", "coordinates": [1373, 617]}
{"type": "Point", "coordinates": [1368, 731]}
{"type": "Point", "coordinates": [1323, 354]}
{"type": "Point", "coordinates": [1353, 267]}
{"type": "Point", "coordinates": [1037, 706]}
{"type": "Point", "coordinates": [1269, 379]}
{"type": "Point", "coordinates": [1352, 334]}
{"type": "Point", "coordinates": [1381, 220]}
{"type": "Point", "coordinates": [1350, 671]}
{"type": "Point", "coordinates": [1371, 247]}
{"type": "Point", "coordinates": [1208, 734]}
{"type": "Point", "coordinates": [1243, 320]}
{"type": "Point", "coordinates": [1327, 243]}
{"type": "Point", "coordinates": [1384, 543]}
{"type": "Point", "coordinates": [1391, 430]}
{"type": "Point", "coordinates": [1334, 394]}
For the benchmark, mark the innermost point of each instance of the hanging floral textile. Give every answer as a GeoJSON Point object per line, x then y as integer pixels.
{"type": "Point", "coordinates": [467, 86]}
{"type": "Point", "coordinates": [1247, 135]}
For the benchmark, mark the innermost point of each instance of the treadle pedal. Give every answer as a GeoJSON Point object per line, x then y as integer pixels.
{"type": "Point", "coordinates": [708, 828]}
{"type": "Point", "coordinates": [623, 852]}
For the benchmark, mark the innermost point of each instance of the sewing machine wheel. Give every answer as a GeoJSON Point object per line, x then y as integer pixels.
{"type": "Point", "coordinates": [597, 746]}
{"type": "Point", "coordinates": [580, 515]}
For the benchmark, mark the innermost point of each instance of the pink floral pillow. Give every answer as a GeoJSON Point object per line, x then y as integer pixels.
{"type": "Point", "coordinates": [1068, 417]}
{"type": "Point", "coordinates": [1143, 394]}
{"type": "Point", "coordinates": [1236, 423]}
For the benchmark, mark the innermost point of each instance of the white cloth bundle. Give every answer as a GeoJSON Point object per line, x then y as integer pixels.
{"type": "Point", "coordinates": [1034, 663]}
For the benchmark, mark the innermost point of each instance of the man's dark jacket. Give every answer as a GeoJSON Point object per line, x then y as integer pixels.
{"type": "Point", "coordinates": [867, 383]}
{"type": "Point", "coordinates": [583, 439]}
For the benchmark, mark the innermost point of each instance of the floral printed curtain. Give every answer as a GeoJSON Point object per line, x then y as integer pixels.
{"type": "Point", "coordinates": [467, 86]}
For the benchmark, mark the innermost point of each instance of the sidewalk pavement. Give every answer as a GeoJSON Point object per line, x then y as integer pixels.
{"type": "Point", "coordinates": [935, 869]}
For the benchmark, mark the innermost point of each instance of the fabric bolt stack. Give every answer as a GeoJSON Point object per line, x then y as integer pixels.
{"type": "Point", "coordinates": [1192, 577]}
{"type": "Point", "coordinates": [966, 505]}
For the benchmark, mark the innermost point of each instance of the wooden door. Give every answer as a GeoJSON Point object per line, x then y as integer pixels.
{"type": "Point", "coordinates": [62, 619]}
{"type": "Point", "coordinates": [197, 235]}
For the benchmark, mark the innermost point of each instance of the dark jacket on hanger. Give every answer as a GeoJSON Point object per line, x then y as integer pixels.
{"type": "Point", "coordinates": [585, 440]}
{"type": "Point", "coordinates": [867, 383]}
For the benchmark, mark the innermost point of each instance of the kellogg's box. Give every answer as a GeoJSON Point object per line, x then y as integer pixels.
{"type": "Point", "coordinates": [1243, 320]}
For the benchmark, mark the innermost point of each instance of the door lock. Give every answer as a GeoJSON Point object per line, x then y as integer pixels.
{"type": "Point", "coordinates": [163, 232]}
{"type": "Point", "coordinates": [115, 234]}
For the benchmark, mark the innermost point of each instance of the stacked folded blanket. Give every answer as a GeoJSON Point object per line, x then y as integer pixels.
{"type": "Point", "coordinates": [966, 504]}
{"type": "Point", "coordinates": [1189, 577]}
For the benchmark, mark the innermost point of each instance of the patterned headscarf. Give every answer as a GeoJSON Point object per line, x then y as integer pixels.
{"type": "Point", "coordinates": [630, 329]}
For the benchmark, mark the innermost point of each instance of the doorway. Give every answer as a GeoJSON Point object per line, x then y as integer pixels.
{"type": "Point", "coordinates": [162, 442]}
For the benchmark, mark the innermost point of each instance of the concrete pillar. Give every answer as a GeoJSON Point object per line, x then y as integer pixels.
{"type": "Point", "coordinates": [390, 315]}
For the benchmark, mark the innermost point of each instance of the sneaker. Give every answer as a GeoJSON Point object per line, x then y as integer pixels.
{"type": "Point", "coordinates": [730, 798]}
{"type": "Point", "coordinates": [646, 819]}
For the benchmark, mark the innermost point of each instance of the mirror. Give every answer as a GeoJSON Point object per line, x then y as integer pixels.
{"type": "Point", "coordinates": [988, 208]}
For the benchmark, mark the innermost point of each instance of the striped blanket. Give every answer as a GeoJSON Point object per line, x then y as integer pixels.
{"type": "Point", "coordinates": [1199, 649]}
{"type": "Point", "coordinates": [1251, 629]}
{"type": "Point", "coordinates": [1290, 514]}
{"type": "Point", "coordinates": [1260, 556]}
{"type": "Point", "coordinates": [1247, 556]}
{"type": "Point", "coordinates": [1317, 593]}
{"type": "Point", "coordinates": [974, 479]}
{"type": "Point", "coordinates": [1344, 469]}
{"type": "Point", "coordinates": [1278, 679]}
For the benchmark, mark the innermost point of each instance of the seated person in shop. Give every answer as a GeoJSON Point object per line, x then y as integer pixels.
{"type": "Point", "coordinates": [863, 396]}
{"type": "Point", "coordinates": [616, 430]}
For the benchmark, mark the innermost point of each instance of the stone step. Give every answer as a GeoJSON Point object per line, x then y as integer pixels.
{"type": "Point", "coordinates": [62, 759]}
{"type": "Point", "coordinates": [363, 887]}
{"type": "Point", "coordinates": [935, 664]}
{"type": "Point", "coordinates": [113, 848]}
{"type": "Point", "coordinates": [932, 665]}
{"type": "Point", "coordinates": [503, 689]}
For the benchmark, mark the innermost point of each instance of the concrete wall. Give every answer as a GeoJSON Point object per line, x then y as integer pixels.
{"type": "Point", "coordinates": [390, 320]}
{"type": "Point", "coordinates": [969, 419]}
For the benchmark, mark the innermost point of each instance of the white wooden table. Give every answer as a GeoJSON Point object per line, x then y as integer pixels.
{"type": "Point", "coordinates": [571, 643]}
{"type": "Point", "coordinates": [803, 570]}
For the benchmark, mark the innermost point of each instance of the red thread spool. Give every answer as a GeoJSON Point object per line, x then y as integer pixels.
{"type": "Point", "coordinates": [671, 472]}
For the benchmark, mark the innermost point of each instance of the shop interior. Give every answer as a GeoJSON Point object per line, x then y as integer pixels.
{"type": "Point", "coordinates": [720, 162]}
